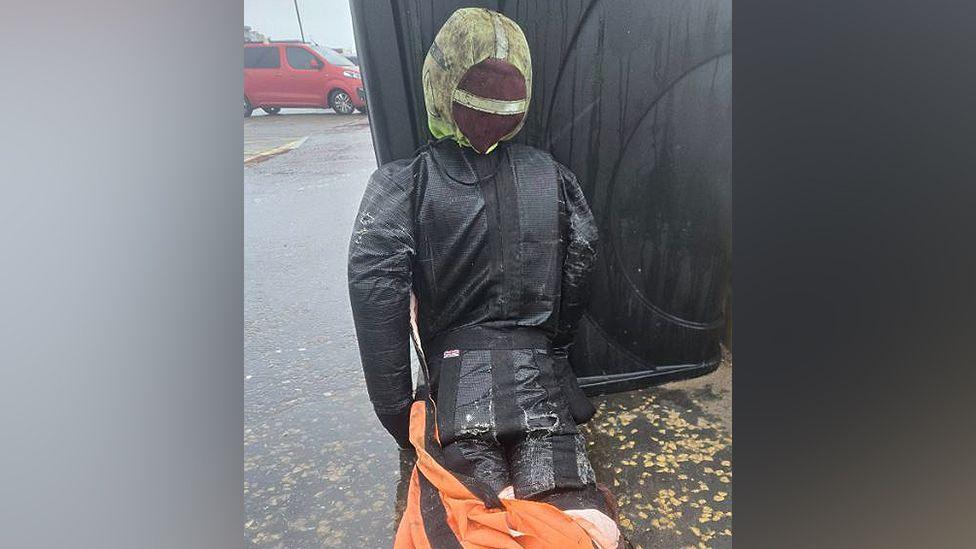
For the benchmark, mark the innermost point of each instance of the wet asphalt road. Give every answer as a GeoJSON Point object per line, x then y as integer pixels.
{"type": "Point", "coordinates": [319, 470]}
{"type": "Point", "coordinates": [263, 132]}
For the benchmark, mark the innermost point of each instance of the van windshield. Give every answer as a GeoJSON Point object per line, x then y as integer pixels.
{"type": "Point", "coordinates": [333, 58]}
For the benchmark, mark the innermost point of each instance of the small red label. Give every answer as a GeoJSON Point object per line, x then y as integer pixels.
{"type": "Point", "coordinates": [452, 353]}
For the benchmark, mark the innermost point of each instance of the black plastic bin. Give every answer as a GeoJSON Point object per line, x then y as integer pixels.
{"type": "Point", "coordinates": [634, 96]}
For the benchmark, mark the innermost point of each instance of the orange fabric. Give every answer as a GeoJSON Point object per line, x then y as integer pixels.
{"type": "Point", "coordinates": [477, 527]}
{"type": "Point", "coordinates": [411, 525]}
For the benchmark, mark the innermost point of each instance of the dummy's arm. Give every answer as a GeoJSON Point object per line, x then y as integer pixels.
{"type": "Point", "coordinates": [581, 237]}
{"type": "Point", "coordinates": [380, 257]}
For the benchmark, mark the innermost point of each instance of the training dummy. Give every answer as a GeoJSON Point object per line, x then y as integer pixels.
{"type": "Point", "coordinates": [495, 242]}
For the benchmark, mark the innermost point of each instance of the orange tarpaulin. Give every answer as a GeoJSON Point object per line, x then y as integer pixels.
{"type": "Point", "coordinates": [442, 512]}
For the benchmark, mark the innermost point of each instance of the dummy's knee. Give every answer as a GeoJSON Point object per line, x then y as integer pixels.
{"type": "Point", "coordinates": [478, 459]}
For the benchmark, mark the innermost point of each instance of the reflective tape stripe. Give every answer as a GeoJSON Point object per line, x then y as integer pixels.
{"type": "Point", "coordinates": [501, 39]}
{"type": "Point", "coordinates": [492, 106]}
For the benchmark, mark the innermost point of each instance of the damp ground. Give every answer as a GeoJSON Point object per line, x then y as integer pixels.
{"type": "Point", "coordinates": [319, 471]}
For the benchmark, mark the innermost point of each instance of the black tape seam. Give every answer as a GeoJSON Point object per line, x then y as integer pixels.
{"type": "Point", "coordinates": [434, 516]}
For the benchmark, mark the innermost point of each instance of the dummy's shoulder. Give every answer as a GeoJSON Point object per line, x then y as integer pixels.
{"type": "Point", "coordinates": [530, 152]}
{"type": "Point", "coordinates": [527, 152]}
{"type": "Point", "coordinates": [398, 173]}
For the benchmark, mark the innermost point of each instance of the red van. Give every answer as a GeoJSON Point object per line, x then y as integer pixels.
{"type": "Point", "coordinates": [297, 74]}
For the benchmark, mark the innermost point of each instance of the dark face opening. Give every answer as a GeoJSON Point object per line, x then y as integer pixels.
{"type": "Point", "coordinates": [489, 103]}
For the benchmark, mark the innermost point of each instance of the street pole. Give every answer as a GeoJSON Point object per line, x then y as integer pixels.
{"type": "Point", "coordinates": [299, 15]}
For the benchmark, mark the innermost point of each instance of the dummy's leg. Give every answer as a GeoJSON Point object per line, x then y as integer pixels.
{"type": "Point", "coordinates": [480, 459]}
{"type": "Point", "coordinates": [466, 420]}
{"type": "Point", "coordinates": [554, 468]}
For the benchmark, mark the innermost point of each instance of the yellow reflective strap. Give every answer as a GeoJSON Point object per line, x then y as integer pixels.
{"type": "Point", "coordinates": [492, 106]}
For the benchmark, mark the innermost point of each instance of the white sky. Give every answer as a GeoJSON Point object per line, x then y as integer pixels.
{"type": "Point", "coordinates": [327, 22]}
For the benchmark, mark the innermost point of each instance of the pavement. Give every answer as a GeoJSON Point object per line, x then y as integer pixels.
{"type": "Point", "coordinates": [666, 454]}
{"type": "Point", "coordinates": [319, 471]}
{"type": "Point", "coordinates": [263, 132]}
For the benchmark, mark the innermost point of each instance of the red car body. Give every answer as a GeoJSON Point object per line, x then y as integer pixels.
{"type": "Point", "coordinates": [296, 74]}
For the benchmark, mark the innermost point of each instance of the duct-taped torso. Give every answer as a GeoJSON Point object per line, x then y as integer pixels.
{"type": "Point", "coordinates": [488, 253]}
{"type": "Point", "coordinates": [489, 244]}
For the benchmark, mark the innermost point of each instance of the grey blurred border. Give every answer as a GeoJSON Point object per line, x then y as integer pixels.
{"type": "Point", "coordinates": [121, 227]}
{"type": "Point", "coordinates": [854, 267]}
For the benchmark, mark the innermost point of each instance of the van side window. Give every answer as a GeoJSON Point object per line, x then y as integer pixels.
{"type": "Point", "coordinates": [261, 58]}
{"type": "Point", "coordinates": [301, 59]}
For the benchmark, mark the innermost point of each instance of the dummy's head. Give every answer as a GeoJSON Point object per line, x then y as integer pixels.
{"type": "Point", "coordinates": [477, 79]}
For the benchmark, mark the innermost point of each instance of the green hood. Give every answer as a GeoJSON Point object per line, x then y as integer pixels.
{"type": "Point", "coordinates": [469, 36]}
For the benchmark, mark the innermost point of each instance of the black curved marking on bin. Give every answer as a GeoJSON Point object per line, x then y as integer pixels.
{"type": "Point", "coordinates": [609, 241]}
{"type": "Point", "coordinates": [598, 384]}
{"type": "Point", "coordinates": [562, 68]}
{"type": "Point", "coordinates": [659, 314]}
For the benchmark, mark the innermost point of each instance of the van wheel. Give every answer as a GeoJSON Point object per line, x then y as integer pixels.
{"type": "Point", "coordinates": [248, 109]}
{"type": "Point", "coordinates": [341, 103]}
{"type": "Point", "coordinates": [271, 110]}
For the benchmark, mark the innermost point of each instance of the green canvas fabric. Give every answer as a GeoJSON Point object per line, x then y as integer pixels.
{"type": "Point", "coordinates": [467, 38]}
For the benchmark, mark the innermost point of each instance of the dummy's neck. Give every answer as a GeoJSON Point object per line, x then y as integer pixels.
{"type": "Point", "coordinates": [464, 164]}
